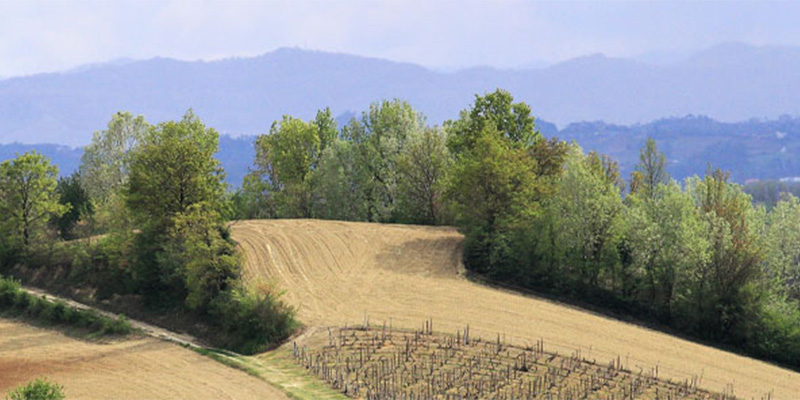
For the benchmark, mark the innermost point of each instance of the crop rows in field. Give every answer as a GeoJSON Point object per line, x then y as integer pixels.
{"type": "Point", "coordinates": [382, 363]}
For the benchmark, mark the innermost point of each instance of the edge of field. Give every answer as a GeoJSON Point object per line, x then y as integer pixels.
{"type": "Point", "coordinates": [277, 368]}
{"type": "Point", "coordinates": [274, 367]}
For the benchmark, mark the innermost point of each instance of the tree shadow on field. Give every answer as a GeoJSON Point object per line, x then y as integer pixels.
{"type": "Point", "coordinates": [434, 257]}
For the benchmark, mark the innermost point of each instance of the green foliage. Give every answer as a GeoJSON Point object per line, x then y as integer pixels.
{"type": "Point", "coordinates": [379, 138]}
{"type": "Point", "coordinates": [252, 320]}
{"type": "Point", "coordinates": [587, 212]}
{"type": "Point", "coordinates": [667, 240]}
{"type": "Point", "coordinates": [493, 186]}
{"type": "Point", "coordinates": [105, 167]}
{"type": "Point", "coordinates": [28, 200]}
{"type": "Point", "coordinates": [172, 168]}
{"type": "Point", "coordinates": [651, 171]}
{"type": "Point", "coordinates": [71, 194]}
{"type": "Point", "coordinates": [422, 170]}
{"type": "Point", "coordinates": [338, 183]}
{"type": "Point", "coordinates": [203, 252]}
{"type": "Point", "coordinates": [284, 162]}
{"type": "Point", "coordinates": [105, 163]}
{"type": "Point", "coordinates": [783, 252]}
{"type": "Point", "coordinates": [104, 263]}
{"type": "Point", "coordinates": [38, 389]}
{"type": "Point", "coordinates": [722, 290]}
{"type": "Point", "coordinates": [511, 121]}
{"type": "Point", "coordinates": [16, 302]}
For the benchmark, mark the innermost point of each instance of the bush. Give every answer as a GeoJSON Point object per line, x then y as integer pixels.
{"type": "Point", "coordinates": [39, 389]}
{"type": "Point", "coordinates": [58, 312]}
{"type": "Point", "coordinates": [252, 321]}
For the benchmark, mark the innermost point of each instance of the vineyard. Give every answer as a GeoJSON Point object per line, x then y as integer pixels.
{"type": "Point", "coordinates": [383, 363]}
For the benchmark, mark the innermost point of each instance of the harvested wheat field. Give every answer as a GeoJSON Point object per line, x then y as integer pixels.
{"type": "Point", "coordinates": [338, 272]}
{"type": "Point", "coordinates": [141, 368]}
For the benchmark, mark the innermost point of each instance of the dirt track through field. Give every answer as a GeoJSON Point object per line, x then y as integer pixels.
{"type": "Point", "coordinates": [139, 368]}
{"type": "Point", "coordinates": [338, 272]}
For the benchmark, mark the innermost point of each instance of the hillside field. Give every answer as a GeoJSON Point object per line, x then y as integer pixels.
{"type": "Point", "coordinates": [139, 368]}
{"type": "Point", "coordinates": [340, 273]}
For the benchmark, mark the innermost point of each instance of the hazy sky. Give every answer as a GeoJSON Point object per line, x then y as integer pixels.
{"type": "Point", "coordinates": [37, 36]}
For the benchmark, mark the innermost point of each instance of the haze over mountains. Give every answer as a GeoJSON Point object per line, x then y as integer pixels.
{"type": "Point", "coordinates": [730, 82]}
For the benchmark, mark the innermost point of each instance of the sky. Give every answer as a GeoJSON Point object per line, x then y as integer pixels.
{"type": "Point", "coordinates": [43, 36]}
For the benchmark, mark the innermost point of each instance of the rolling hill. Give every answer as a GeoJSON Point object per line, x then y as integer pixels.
{"type": "Point", "coordinates": [337, 273]}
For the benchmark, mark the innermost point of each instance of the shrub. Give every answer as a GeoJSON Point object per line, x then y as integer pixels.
{"type": "Point", "coordinates": [39, 389]}
{"type": "Point", "coordinates": [252, 320]}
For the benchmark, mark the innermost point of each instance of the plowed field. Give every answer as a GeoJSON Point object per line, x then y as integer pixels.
{"type": "Point", "coordinates": [144, 368]}
{"type": "Point", "coordinates": [337, 273]}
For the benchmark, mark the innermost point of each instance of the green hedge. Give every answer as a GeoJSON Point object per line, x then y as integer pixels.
{"type": "Point", "coordinates": [16, 302]}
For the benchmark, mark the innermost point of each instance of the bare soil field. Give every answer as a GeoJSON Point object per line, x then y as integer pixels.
{"type": "Point", "coordinates": [139, 368]}
{"type": "Point", "coordinates": [339, 273]}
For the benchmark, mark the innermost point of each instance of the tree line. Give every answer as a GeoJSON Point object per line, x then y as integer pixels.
{"type": "Point", "coordinates": [698, 256]}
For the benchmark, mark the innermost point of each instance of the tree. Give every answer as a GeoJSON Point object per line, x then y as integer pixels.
{"type": "Point", "coordinates": [722, 295]}
{"type": "Point", "coordinates": [39, 389]}
{"type": "Point", "coordinates": [327, 129]}
{"type": "Point", "coordinates": [379, 138]}
{"type": "Point", "coordinates": [588, 210]}
{"type": "Point", "coordinates": [783, 252]}
{"type": "Point", "coordinates": [105, 167]}
{"type": "Point", "coordinates": [71, 193]}
{"type": "Point", "coordinates": [199, 246]}
{"type": "Point", "coordinates": [284, 163]}
{"type": "Point", "coordinates": [667, 241]}
{"type": "Point", "coordinates": [28, 200]}
{"type": "Point", "coordinates": [650, 172]}
{"type": "Point", "coordinates": [422, 167]}
{"type": "Point", "coordinates": [339, 182]}
{"type": "Point", "coordinates": [512, 121]}
{"type": "Point", "coordinates": [492, 186]}
{"type": "Point", "coordinates": [172, 169]}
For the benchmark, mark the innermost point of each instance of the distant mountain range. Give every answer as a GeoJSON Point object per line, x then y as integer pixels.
{"type": "Point", "coordinates": [242, 96]}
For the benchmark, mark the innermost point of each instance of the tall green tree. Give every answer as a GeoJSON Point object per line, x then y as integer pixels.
{"type": "Point", "coordinates": [71, 193]}
{"type": "Point", "coordinates": [379, 138]}
{"type": "Point", "coordinates": [422, 168]}
{"type": "Point", "coordinates": [720, 303]}
{"type": "Point", "coordinates": [339, 183]}
{"type": "Point", "coordinates": [285, 160]}
{"type": "Point", "coordinates": [492, 186]}
{"type": "Point", "coordinates": [651, 170]}
{"type": "Point", "coordinates": [511, 121]}
{"type": "Point", "coordinates": [105, 167]}
{"type": "Point", "coordinates": [667, 242]}
{"type": "Point", "coordinates": [28, 200]}
{"type": "Point", "coordinates": [174, 168]}
{"type": "Point", "coordinates": [782, 239]}
{"type": "Point", "coordinates": [589, 210]}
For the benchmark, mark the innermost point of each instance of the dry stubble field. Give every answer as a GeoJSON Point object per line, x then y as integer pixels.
{"type": "Point", "coordinates": [338, 272]}
{"type": "Point", "coordinates": [138, 368]}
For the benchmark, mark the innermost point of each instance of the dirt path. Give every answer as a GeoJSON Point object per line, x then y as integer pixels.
{"type": "Point", "coordinates": [338, 272]}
